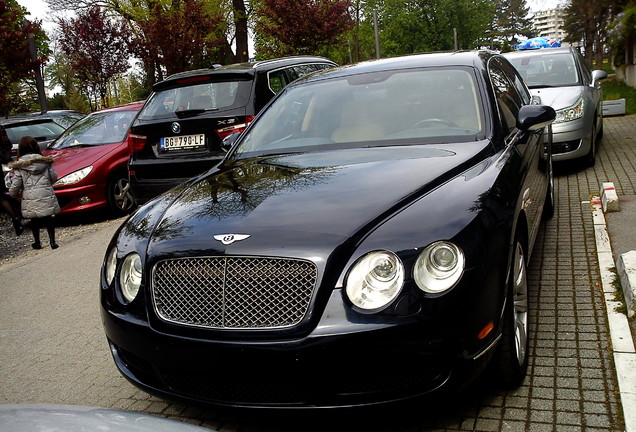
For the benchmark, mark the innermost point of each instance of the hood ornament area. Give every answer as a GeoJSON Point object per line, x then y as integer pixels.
{"type": "Point", "coordinates": [227, 239]}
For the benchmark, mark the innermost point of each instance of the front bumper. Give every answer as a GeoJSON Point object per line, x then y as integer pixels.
{"type": "Point", "coordinates": [81, 198]}
{"type": "Point", "coordinates": [571, 140]}
{"type": "Point", "coordinates": [334, 366]}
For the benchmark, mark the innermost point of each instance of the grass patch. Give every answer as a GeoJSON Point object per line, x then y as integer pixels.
{"type": "Point", "coordinates": [613, 89]}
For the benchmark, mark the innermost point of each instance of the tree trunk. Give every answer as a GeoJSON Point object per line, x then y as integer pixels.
{"type": "Point", "coordinates": [240, 23]}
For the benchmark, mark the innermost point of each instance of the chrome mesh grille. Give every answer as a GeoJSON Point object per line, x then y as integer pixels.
{"type": "Point", "coordinates": [233, 292]}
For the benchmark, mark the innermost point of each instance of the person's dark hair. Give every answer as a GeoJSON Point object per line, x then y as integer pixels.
{"type": "Point", "coordinates": [28, 145]}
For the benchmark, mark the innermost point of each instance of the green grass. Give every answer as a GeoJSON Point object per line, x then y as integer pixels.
{"type": "Point", "coordinates": [613, 89]}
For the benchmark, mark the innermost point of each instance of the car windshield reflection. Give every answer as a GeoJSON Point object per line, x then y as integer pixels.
{"type": "Point", "coordinates": [96, 129]}
{"type": "Point", "coordinates": [436, 105]}
{"type": "Point", "coordinates": [547, 70]}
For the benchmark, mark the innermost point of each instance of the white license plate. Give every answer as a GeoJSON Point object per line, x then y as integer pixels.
{"type": "Point", "coordinates": [182, 142]}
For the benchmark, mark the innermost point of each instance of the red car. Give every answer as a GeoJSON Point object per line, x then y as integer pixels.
{"type": "Point", "coordinates": [91, 159]}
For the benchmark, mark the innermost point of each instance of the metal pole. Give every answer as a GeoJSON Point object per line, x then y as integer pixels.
{"type": "Point", "coordinates": [377, 38]}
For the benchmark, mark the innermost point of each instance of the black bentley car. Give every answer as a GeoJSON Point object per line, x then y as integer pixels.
{"type": "Point", "coordinates": [365, 240]}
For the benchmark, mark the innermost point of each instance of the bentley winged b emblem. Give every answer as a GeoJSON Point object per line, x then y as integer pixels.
{"type": "Point", "coordinates": [227, 239]}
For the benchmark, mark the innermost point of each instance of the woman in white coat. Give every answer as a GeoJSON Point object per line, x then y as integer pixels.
{"type": "Point", "coordinates": [33, 182]}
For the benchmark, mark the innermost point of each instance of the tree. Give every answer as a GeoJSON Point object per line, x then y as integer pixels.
{"type": "Point", "coordinates": [15, 62]}
{"type": "Point", "coordinates": [511, 20]}
{"type": "Point", "coordinates": [408, 27]}
{"type": "Point", "coordinates": [97, 49]}
{"type": "Point", "coordinates": [180, 38]}
{"type": "Point", "coordinates": [301, 26]}
{"type": "Point", "coordinates": [230, 17]}
{"type": "Point", "coordinates": [586, 23]}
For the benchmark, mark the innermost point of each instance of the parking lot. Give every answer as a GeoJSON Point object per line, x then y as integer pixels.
{"type": "Point", "coordinates": [53, 348]}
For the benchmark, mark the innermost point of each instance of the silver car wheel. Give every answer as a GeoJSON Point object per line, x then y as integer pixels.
{"type": "Point", "coordinates": [520, 304]}
{"type": "Point", "coordinates": [122, 197]}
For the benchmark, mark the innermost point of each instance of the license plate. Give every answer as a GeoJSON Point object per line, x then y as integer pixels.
{"type": "Point", "coordinates": [182, 142]}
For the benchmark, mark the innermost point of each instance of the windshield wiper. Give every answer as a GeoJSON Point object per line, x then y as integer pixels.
{"type": "Point", "coordinates": [193, 112]}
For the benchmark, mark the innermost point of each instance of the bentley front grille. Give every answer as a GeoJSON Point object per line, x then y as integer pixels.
{"type": "Point", "coordinates": [233, 292]}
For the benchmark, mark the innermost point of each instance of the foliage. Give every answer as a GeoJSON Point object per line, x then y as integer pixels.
{"type": "Point", "coordinates": [15, 61]}
{"type": "Point", "coordinates": [613, 89]}
{"type": "Point", "coordinates": [415, 26]}
{"type": "Point", "coordinates": [289, 27]}
{"type": "Point", "coordinates": [586, 23]}
{"type": "Point", "coordinates": [511, 19]}
{"type": "Point", "coordinates": [97, 49]}
{"type": "Point", "coordinates": [181, 37]}
{"type": "Point", "coordinates": [622, 35]}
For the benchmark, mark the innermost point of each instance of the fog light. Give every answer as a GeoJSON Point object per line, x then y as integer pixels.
{"type": "Point", "coordinates": [84, 200]}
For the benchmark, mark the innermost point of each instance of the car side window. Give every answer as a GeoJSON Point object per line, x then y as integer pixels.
{"type": "Point", "coordinates": [509, 101]}
{"type": "Point", "coordinates": [277, 80]}
{"type": "Point", "coordinates": [586, 74]}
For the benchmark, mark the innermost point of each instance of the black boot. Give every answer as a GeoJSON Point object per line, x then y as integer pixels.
{"type": "Point", "coordinates": [51, 230]}
{"type": "Point", "coordinates": [17, 226]}
{"type": "Point", "coordinates": [36, 236]}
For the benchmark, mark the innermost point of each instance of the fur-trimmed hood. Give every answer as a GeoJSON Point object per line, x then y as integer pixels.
{"type": "Point", "coordinates": [34, 163]}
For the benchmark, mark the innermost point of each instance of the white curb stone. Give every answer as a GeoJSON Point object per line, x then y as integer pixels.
{"type": "Point", "coordinates": [609, 198]}
{"type": "Point", "coordinates": [626, 266]}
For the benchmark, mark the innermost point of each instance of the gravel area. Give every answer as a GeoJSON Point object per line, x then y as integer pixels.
{"type": "Point", "coordinates": [14, 248]}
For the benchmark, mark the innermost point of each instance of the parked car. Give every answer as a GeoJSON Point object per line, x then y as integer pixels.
{"type": "Point", "coordinates": [560, 78]}
{"type": "Point", "coordinates": [44, 130]}
{"type": "Point", "coordinates": [365, 240]}
{"type": "Point", "coordinates": [178, 132]}
{"type": "Point", "coordinates": [64, 118]}
{"type": "Point", "coordinates": [91, 161]}
{"type": "Point", "coordinates": [72, 418]}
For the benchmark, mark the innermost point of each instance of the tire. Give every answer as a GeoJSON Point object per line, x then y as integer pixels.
{"type": "Point", "coordinates": [120, 199]}
{"type": "Point", "coordinates": [589, 160]}
{"type": "Point", "coordinates": [511, 357]}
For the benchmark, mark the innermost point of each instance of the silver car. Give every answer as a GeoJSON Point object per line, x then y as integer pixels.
{"type": "Point", "coordinates": [560, 78]}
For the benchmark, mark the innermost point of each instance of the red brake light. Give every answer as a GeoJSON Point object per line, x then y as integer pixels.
{"type": "Point", "coordinates": [223, 132]}
{"type": "Point", "coordinates": [136, 142]}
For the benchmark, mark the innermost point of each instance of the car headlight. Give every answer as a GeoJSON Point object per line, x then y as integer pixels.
{"type": "Point", "coordinates": [130, 276]}
{"type": "Point", "coordinates": [438, 267]}
{"type": "Point", "coordinates": [574, 112]}
{"type": "Point", "coordinates": [74, 177]}
{"type": "Point", "coordinates": [110, 266]}
{"type": "Point", "coordinates": [375, 280]}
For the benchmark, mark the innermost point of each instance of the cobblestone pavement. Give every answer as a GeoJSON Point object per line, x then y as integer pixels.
{"type": "Point", "coordinates": [53, 349]}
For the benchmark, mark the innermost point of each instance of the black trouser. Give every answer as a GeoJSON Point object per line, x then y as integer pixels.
{"type": "Point", "coordinates": [47, 222]}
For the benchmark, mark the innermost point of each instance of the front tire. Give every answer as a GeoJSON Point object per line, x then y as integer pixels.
{"type": "Point", "coordinates": [120, 199]}
{"type": "Point", "coordinates": [511, 357]}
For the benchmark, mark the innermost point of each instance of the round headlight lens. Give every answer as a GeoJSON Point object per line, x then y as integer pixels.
{"type": "Point", "coordinates": [110, 265]}
{"type": "Point", "coordinates": [130, 276]}
{"type": "Point", "coordinates": [375, 280]}
{"type": "Point", "coordinates": [439, 267]}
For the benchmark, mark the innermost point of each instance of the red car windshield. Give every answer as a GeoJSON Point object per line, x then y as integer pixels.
{"type": "Point", "coordinates": [96, 129]}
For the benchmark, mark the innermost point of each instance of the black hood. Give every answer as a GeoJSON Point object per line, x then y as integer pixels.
{"type": "Point", "coordinates": [285, 203]}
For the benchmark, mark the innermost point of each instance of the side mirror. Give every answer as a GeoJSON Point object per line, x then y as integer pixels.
{"type": "Point", "coordinates": [598, 75]}
{"type": "Point", "coordinates": [229, 141]}
{"type": "Point", "coordinates": [535, 117]}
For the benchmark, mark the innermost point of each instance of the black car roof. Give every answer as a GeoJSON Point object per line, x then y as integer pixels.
{"type": "Point", "coordinates": [23, 120]}
{"type": "Point", "coordinates": [539, 51]}
{"type": "Point", "coordinates": [477, 59]}
{"type": "Point", "coordinates": [234, 71]}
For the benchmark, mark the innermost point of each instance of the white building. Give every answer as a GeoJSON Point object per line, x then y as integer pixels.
{"type": "Point", "coordinates": [549, 24]}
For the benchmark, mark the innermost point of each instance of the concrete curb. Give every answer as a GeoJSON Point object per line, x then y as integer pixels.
{"type": "Point", "coordinates": [622, 341]}
{"type": "Point", "coordinates": [626, 267]}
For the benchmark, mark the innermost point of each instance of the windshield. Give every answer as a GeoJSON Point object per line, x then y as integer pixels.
{"type": "Point", "coordinates": [547, 70]}
{"type": "Point", "coordinates": [40, 131]}
{"type": "Point", "coordinates": [404, 107]}
{"type": "Point", "coordinates": [200, 98]}
{"type": "Point", "coordinates": [97, 129]}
